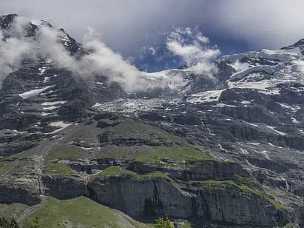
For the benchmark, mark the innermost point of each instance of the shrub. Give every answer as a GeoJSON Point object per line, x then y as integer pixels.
{"type": "Point", "coordinates": [163, 223]}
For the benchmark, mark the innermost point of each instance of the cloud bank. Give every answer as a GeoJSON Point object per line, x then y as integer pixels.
{"type": "Point", "coordinates": [193, 48]}
{"type": "Point", "coordinates": [99, 59]}
{"type": "Point", "coordinates": [260, 23]}
{"type": "Point", "coordinates": [15, 49]}
{"type": "Point", "coordinates": [131, 20]}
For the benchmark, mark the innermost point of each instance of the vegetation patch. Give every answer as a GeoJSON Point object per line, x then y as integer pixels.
{"type": "Point", "coordinates": [58, 168]}
{"type": "Point", "coordinates": [172, 156]}
{"type": "Point", "coordinates": [166, 223]}
{"type": "Point", "coordinates": [10, 163]}
{"type": "Point", "coordinates": [13, 210]}
{"type": "Point", "coordinates": [8, 223]}
{"type": "Point", "coordinates": [163, 223]}
{"type": "Point", "coordinates": [120, 152]}
{"type": "Point", "coordinates": [141, 130]}
{"type": "Point", "coordinates": [79, 212]}
{"type": "Point", "coordinates": [243, 185]}
{"type": "Point", "coordinates": [131, 133]}
{"type": "Point", "coordinates": [157, 155]}
{"type": "Point", "coordinates": [137, 141]}
{"type": "Point", "coordinates": [55, 158]}
{"type": "Point", "coordinates": [66, 153]}
{"type": "Point", "coordinates": [117, 171]}
{"type": "Point", "coordinates": [291, 225]}
{"type": "Point", "coordinates": [186, 225]}
{"type": "Point", "coordinates": [4, 167]}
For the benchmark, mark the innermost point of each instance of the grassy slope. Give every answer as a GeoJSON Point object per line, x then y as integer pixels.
{"type": "Point", "coordinates": [243, 186]}
{"type": "Point", "coordinates": [4, 167]}
{"type": "Point", "coordinates": [9, 163]}
{"type": "Point", "coordinates": [12, 210]}
{"type": "Point", "coordinates": [119, 171]}
{"type": "Point", "coordinates": [136, 130]}
{"type": "Point", "coordinates": [141, 130]}
{"type": "Point", "coordinates": [62, 153]}
{"type": "Point", "coordinates": [179, 150]}
{"type": "Point", "coordinates": [80, 212]}
{"type": "Point", "coordinates": [176, 154]}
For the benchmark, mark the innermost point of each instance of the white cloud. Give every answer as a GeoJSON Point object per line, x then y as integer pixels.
{"type": "Point", "coordinates": [14, 50]}
{"type": "Point", "coordinates": [98, 60]}
{"type": "Point", "coordinates": [130, 19]}
{"type": "Point", "coordinates": [103, 60]}
{"type": "Point", "coordinates": [50, 47]}
{"type": "Point", "coordinates": [239, 66]}
{"type": "Point", "coordinates": [194, 49]}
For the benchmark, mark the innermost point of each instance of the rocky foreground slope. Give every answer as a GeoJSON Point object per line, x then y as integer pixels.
{"type": "Point", "coordinates": [218, 152]}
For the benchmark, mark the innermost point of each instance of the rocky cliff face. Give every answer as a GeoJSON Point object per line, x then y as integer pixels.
{"type": "Point", "coordinates": [213, 202]}
{"type": "Point", "coordinates": [223, 152]}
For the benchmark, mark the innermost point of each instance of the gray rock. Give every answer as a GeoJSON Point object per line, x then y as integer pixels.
{"type": "Point", "coordinates": [63, 187]}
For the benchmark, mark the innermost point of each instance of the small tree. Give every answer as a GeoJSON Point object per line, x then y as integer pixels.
{"type": "Point", "coordinates": [8, 223]}
{"type": "Point", "coordinates": [14, 223]}
{"type": "Point", "coordinates": [163, 223]}
{"type": "Point", "coordinates": [35, 223]}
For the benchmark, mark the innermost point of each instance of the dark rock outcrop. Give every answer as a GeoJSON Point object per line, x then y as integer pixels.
{"type": "Point", "coordinates": [142, 198]}
{"type": "Point", "coordinates": [12, 193]}
{"type": "Point", "coordinates": [63, 187]}
{"type": "Point", "coordinates": [231, 205]}
{"type": "Point", "coordinates": [195, 171]}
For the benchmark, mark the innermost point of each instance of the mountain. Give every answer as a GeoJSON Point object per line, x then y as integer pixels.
{"type": "Point", "coordinates": [222, 151]}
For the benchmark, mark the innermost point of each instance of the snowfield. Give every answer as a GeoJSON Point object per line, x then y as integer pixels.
{"type": "Point", "coordinates": [130, 105]}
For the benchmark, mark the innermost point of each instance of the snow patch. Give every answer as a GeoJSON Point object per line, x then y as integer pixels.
{"type": "Point", "coordinates": [205, 97]}
{"type": "Point", "coordinates": [263, 86]}
{"type": "Point", "coordinates": [244, 151]}
{"type": "Point", "coordinates": [222, 105]}
{"type": "Point", "coordinates": [245, 102]}
{"type": "Point", "coordinates": [296, 52]}
{"type": "Point", "coordinates": [46, 79]}
{"type": "Point", "coordinates": [100, 83]}
{"type": "Point", "coordinates": [45, 114]}
{"type": "Point", "coordinates": [291, 108]}
{"type": "Point", "coordinates": [53, 103]}
{"type": "Point", "coordinates": [59, 124]}
{"type": "Point", "coordinates": [264, 153]}
{"type": "Point", "coordinates": [276, 131]}
{"type": "Point", "coordinates": [251, 124]}
{"type": "Point", "coordinates": [294, 120]}
{"type": "Point", "coordinates": [50, 108]}
{"type": "Point", "coordinates": [33, 93]}
{"type": "Point", "coordinates": [42, 70]}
